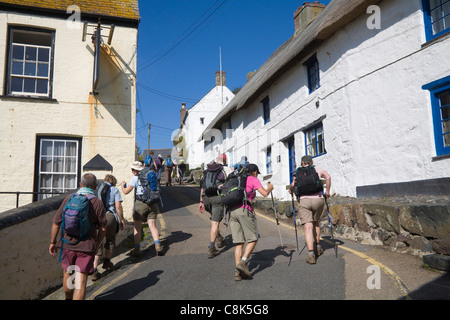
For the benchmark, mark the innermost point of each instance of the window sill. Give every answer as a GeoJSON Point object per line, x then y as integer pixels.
{"type": "Point", "coordinates": [437, 158]}
{"type": "Point", "coordinates": [46, 99]}
{"type": "Point", "coordinates": [437, 39]}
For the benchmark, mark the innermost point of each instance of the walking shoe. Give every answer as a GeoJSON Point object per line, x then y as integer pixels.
{"type": "Point", "coordinates": [237, 275]}
{"type": "Point", "coordinates": [311, 259]}
{"type": "Point", "coordinates": [158, 249]}
{"type": "Point", "coordinates": [107, 264]}
{"type": "Point", "coordinates": [219, 241]}
{"type": "Point", "coordinates": [212, 252]}
{"type": "Point", "coordinates": [242, 267]}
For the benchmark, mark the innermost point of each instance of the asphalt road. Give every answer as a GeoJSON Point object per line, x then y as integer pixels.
{"type": "Point", "coordinates": [185, 273]}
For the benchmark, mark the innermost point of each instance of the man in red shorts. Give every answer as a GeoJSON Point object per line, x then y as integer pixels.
{"type": "Point", "coordinates": [78, 255]}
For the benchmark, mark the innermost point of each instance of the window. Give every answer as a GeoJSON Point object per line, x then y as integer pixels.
{"type": "Point", "coordinates": [437, 17]}
{"type": "Point", "coordinates": [29, 69]}
{"type": "Point", "coordinates": [266, 110]}
{"type": "Point", "coordinates": [269, 160]}
{"type": "Point", "coordinates": [313, 74]}
{"type": "Point", "coordinates": [440, 103]}
{"type": "Point", "coordinates": [58, 163]}
{"type": "Point", "coordinates": [315, 141]}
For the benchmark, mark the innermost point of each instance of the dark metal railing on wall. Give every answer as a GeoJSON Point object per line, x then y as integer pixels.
{"type": "Point", "coordinates": [18, 193]}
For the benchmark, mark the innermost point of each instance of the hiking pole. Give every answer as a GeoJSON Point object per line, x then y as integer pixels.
{"type": "Point", "coordinates": [278, 222]}
{"type": "Point", "coordinates": [295, 222]}
{"type": "Point", "coordinates": [331, 225]}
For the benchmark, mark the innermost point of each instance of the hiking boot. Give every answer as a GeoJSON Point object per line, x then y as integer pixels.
{"type": "Point", "coordinates": [319, 251]}
{"type": "Point", "coordinates": [95, 276]}
{"type": "Point", "coordinates": [237, 275]}
{"type": "Point", "coordinates": [212, 252]}
{"type": "Point", "coordinates": [136, 252]}
{"type": "Point", "coordinates": [242, 267]}
{"type": "Point", "coordinates": [219, 241]}
{"type": "Point", "coordinates": [311, 259]}
{"type": "Point", "coordinates": [107, 264]}
{"type": "Point", "coordinates": [158, 249]}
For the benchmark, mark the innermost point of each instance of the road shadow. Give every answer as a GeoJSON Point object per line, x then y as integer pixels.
{"type": "Point", "coordinates": [438, 289]}
{"type": "Point", "coordinates": [264, 259]}
{"type": "Point", "coordinates": [132, 288]}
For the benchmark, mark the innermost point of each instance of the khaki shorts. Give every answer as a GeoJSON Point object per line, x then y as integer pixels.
{"type": "Point", "coordinates": [143, 211]}
{"type": "Point", "coordinates": [214, 206]}
{"type": "Point", "coordinates": [243, 226]}
{"type": "Point", "coordinates": [311, 209]}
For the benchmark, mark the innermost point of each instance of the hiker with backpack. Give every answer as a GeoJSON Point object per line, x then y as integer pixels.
{"type": "Point", "coordinates": [243, 220]}
{"type": "Point", "coordinates": [212, 179]}
{"type": "Point", "coordinates": [168, 167]}
{"type": "Point", "coordinates": [146, 208]}
{"type": "Point", "coordinates": [82, 223]}
{"type": "Point", "coordinates": [112, 201]}
{"type": "Point", "coordinates": [308, 189]}
{"type": "Point", "coordinates": [159, 168]}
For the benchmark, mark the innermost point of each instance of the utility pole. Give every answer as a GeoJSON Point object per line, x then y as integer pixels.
{"type": "Point", "coordinates": [148, 144]}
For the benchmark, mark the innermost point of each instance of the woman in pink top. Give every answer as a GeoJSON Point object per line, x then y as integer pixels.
{"type": "Point", "coordinates": [243, 223]}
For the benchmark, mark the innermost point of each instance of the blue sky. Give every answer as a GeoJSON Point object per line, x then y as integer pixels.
{"type": "Point", "coordinates": [178, 53]}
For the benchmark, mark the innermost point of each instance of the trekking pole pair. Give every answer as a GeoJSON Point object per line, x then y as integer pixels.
{"type": "Point", "coordinates": [331, 225]}
{"type": "Point", "coordinates": [276, 218]}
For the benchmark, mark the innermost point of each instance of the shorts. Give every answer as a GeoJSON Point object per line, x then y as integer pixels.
{"type": "Point", "coordinates": [112, 227]}
{"type": "Point", "coordinates": [82, 260]}
{"type": "Point", "coordinates": [143, 211]}
{"type": "Point", "coordinates": [243, 226]}
{"type": "Point", "coordinates": [215, 207]}
{"type": "Point", "coordinates": [311, 209]}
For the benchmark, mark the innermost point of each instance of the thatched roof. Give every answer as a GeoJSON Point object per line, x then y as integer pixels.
{"type": "Point", "coordinates": [336, 15]}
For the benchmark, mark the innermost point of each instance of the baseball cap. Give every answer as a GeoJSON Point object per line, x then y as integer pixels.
{"type": "Point", "coordinates": [252, 168]}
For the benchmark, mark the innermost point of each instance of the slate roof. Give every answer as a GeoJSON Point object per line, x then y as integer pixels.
{"type": "Point", "coordinates": [113, 9]}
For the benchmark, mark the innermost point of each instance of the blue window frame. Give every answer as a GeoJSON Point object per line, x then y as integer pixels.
{"type": "Point", "coordinates": [315, 141]}
{"type": "Point", "coordinates": [437, 17]}
{"type": "Point", "coordinates": [269, 160]}
{"type": "Point", "coordinates": [292, 164]}
{"type": "Point", "coordinates": [440, 103]}
{"type": "Point", "coordinates": [266, 109]}
{"type": "Point", "coordinates": [313, 73]}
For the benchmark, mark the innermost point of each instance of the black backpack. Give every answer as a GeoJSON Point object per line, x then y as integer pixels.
{"type": "Point", "coordinates": [233, 190]}
{"type": "Point", "coordinates": [307, 181]}
{"type": "Point", "coordinates": [212, 178]}
{"type": "Point", "coordinates": [103, 191]}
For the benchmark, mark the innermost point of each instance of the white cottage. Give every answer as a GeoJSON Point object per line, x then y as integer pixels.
{"type": "Point", "coordinates": [364, 88]}
{"type": "Point", "coordinates": [195, 119]}
{"type": "Point", "coordinates": [67, 94]}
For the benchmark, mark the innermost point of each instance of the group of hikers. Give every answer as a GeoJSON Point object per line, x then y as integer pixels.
{"type": "Point", "coordinates": [89, 219]}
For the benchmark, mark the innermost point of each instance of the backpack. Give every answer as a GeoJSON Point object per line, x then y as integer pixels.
{"type": "Point", "coordinates": [169, 162]}
{"type": "Point", "coordinates": [75, 219]}
{"type": "Point", "coordinates": [158, 162]}
{"type": "Point", "coordinates": [233, 192]}
{"type": "Point", "coordinates": [148, 180]}
{"type": "Point", "coordinates": [148, 160]}
{"type": "Point", "coordinates": [307, 181]}
{"type": "Point", "coordinates": [103, 193]}
{"type": "Point", "coordinates": [212, 178]}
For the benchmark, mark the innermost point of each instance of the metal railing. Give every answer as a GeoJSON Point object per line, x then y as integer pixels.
{"type": "Point", "coordinates": [18, 193]}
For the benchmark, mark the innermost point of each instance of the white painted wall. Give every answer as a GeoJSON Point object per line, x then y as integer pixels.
{"type": "Point", "coordinates": [106, 124]}
{"type": "Point", "coordinates": [378, 126]}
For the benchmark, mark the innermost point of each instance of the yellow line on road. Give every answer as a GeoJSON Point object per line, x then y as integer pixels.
{"type": "Point", "coordinates": [370, 260]}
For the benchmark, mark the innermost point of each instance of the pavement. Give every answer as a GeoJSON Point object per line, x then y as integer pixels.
{"type": "Point", "coordinates": [370, 272]}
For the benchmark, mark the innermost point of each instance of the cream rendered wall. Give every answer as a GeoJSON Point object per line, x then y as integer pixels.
{"type": "Point", "coordinates": [106, 123]}
{"type": "Point", "coordinates": [376, 117]}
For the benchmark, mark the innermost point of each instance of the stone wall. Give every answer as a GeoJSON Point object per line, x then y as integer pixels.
{"type": "Point", "coordinates": [26, 267]}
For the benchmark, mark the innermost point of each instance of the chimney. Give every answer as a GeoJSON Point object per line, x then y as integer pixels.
{"type": "Point", "coordinates": [218, 80]}
{"type": "Point", "coordinates": [183, 112]}
{"type": "Point", "coordinates": [305, 14]}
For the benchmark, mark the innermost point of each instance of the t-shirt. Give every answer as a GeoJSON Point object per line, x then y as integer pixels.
{"type": "Point", "coordinates": [134, 182]}
{"type": "Point", "coordinates": [97, 219]}
{"type": "Point", "coordinates": [112, 197]}
{"type": "Point", "coordinates": [252, 185]}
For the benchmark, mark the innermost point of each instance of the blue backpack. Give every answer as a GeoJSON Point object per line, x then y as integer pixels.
{"type": "Point", "coordinates": [148, 180]}
{"type": "Point", "coordinates": [75, 219]}
{"type": "Point", "coordinates": [169, 162]}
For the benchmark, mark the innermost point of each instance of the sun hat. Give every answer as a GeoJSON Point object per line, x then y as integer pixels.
{"type": "Point", "coordinates": [137, 165]}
